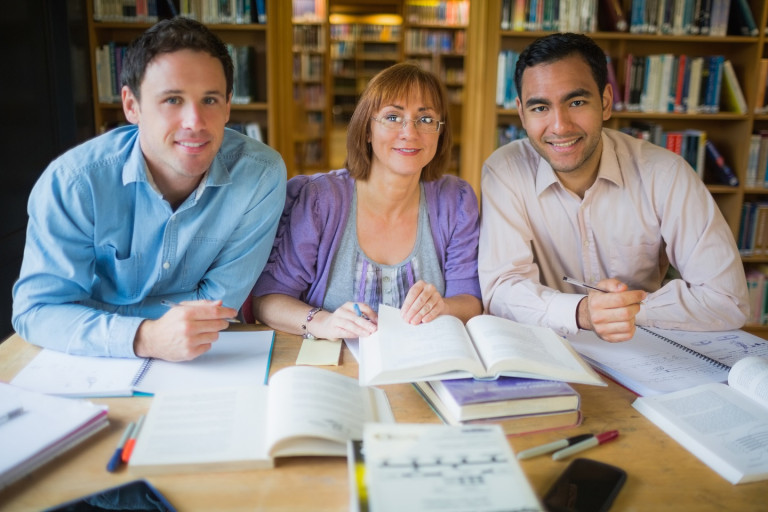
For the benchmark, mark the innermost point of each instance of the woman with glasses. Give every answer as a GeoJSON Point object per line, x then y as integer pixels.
{"type": "Point", "coordinates": [391, 228]}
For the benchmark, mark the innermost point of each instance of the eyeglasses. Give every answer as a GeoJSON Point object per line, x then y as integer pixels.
{"type": "Point", "coordinates": [423, 124]}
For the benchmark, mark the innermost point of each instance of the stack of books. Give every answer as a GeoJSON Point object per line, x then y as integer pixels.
{"type": "Point", "coordinates": [519, 405]}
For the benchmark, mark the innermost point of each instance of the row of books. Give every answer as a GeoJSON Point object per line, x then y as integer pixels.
{"type": "Point", "coordinates": [689, 17]}
{"type": "Point", "coordinates": [109, 64]}
{"type": "Point", "coordinates": [681, 84]}
{"type": "Point", "coordinates": [757, 164]}
{"type": "Point", "coordinates": [207, 11]}
{"type": "Point", "coordinates": [368, 31]}
{"type": "Point", "coordinates": [753, 229]}
{"type": "Point", "coordinates": [758, 293]}
{"type": "Point", "coordinates": [308, 37]}
{"type": "Point", "coordinates": [435, 41]}
{"type": "Point", "coordinates": [506, 134]}
{"type": "Point", "coordinates": [442, 12]}
{"type": "Point", "coordinates": [309, 10]}
{"type": "Point", "coordinates": [308, 67]}
{"type": "Point", "coordinates": [555, 15]}
{"type": "Point", "coordinates": [693, 145]}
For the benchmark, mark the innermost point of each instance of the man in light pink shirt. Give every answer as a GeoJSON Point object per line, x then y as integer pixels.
{"type": "Point", "coordinates": [576, 199]}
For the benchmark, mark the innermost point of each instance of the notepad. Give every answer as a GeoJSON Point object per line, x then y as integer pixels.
{"type": "Point", "coordinates": [237, 358]}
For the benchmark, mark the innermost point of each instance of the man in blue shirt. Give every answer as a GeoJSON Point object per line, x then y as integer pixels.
{"type": "Point", "coordinates": [173, 207]}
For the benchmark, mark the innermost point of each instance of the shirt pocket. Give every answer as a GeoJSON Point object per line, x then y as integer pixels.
{"type": "Point", "coordinates": [118, 276]}
{"type": "Point", "coordinates": [635, 263]}
{"type": "Point", "coordinates": [198, 260]}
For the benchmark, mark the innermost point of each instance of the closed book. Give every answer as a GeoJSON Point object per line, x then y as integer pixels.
{"type": "Point", "coordinates": [715, 164]}
{"type": "Point", "coordinates": [732, 97]}
{"type": "Point", "coordinates": [471, 399]}
{"type": "Point", "coordinates": [610, 16]}
{"type": "Point", "coordinates": [741, 22]}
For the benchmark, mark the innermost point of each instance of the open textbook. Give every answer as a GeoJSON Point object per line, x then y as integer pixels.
{"type": "Point", "coordinates": [489, 346]}
{"type": "Point", "coordinates": [658, 361]}
{"type": "Point", "coordinates": [303, 411]}
{"type": "Point", "coordinates": [237, 358]}
{"type": "Point", "coordinates": [725, 426]}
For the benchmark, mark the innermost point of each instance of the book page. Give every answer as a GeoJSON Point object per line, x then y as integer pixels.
{"type": "Point", "coordinates": [315, 412]}
{"type": "Point", "coordinates": [724, 346]}
{"type": "Point", "coordinates": [750, 376]}
{"type": "Point", "coordinates": [719, 425]}
{"type": "Point", "coordinates": [524, 350]}
{"type": "Point", "coordinates": [212, 429]}
{"type": "Point", "coordinates": [443, 468]}
{"type": "Point", "coordinates": [399, 352]}
{"type": "Point", "coordinates": [646, 364]}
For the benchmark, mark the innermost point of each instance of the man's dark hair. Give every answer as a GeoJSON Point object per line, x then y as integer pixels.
{"type": "Point", "coordinates": [168, 36]}
{"type": "Point", "coordinates": [555, 47]}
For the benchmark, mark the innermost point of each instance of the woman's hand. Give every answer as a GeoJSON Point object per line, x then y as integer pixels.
{"type": "Point", "coordinates": [344, 322]}
{"type": "Point", "coordinates": [423, 304]}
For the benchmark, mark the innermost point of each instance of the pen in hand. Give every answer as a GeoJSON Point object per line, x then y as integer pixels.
{"type": "Point", "coordinates": [172, 304]}
{"type": "Point", "coordinates": [359, 313]}
{"type": "Point", "coordinates": [583, 285]}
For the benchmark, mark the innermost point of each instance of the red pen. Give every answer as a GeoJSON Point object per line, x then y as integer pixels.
{"type": "Point", "coordinates": [586, 444]}
{"type": "Point", "coordinates": [128, 448]}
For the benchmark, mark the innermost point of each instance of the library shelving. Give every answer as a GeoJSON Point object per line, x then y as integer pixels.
{"type": "Point", "coordinates": [730, 132]}
{"type": "Point", "coordinates": [269, 66]}
{"type": "Point", "coordinates": [311, 89]}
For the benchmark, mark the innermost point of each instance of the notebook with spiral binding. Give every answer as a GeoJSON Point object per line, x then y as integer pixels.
{"type": "Point", "coordinates": [657, 361]}
{"type": "Point", "coordinates": [237, 358]}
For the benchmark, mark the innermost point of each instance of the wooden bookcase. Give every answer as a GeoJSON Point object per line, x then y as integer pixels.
{"type": "Point", "coordinates": [271, 70]}
{"type": "Point", "coordinates": [730, 132]}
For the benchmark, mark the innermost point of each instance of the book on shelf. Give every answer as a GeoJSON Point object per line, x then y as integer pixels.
{"type": "Point", "coordinates": [538, 406]}
{"type": "Point", "coordinates": [725, 426]}
{"type": "Point", "coordinates": [440, 467]}
{"type": "Point", "coordinates": [611, 17]}
{"type": "Point", "coordinates": [717, 168]}
{"type": "Point", "coordinates": [39, 428]}
{"type": "Point", "coordinates": [741, 22]}
{"type": "Point", "coordinates": [236, 358]}
{"type": "Point", "coordinates": [487, 347]}
{"type": "Point", "coordinates": [305, 411]}
{"type": "Point", "coordinates": [732, 97]}
{"type": "Point", "coordinates": [657, 361]}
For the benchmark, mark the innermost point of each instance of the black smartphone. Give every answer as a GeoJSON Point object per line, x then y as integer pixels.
{"type": "Point", "coordinates": [137, 495]}
{"type": "Point", "coordinates": [585, 486]}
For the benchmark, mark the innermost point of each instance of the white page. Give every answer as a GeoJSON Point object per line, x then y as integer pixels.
{"type": "Point", "coordinates": [719, 425]}
{"type": "Point", "coordinates": [443, 468]}
{"type": "Point", "coordinates": [724, 346]}
{"type": "Point", "coordinates": [57, 373]}
{"type": "Point", "coordinates": [237, 358]}
{"type": "Point", "coordinates": [646, 364]}
{"type": "Point", "coordinates": [750, 376]}
{"type": "Point", "coordinates": [407, 349]}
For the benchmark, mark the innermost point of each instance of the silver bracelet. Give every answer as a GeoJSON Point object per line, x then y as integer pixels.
{"type": "Point", "coordinates": [310, 316]}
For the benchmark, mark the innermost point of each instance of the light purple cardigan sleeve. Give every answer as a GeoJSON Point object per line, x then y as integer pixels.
{"type": "Point", "coordinates": [314, 218]}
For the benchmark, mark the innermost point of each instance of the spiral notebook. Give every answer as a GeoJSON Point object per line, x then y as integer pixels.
{"type": "Point", "coordinates": [657, 361]}
{"type": "Point", "coordinates": [237, 358]}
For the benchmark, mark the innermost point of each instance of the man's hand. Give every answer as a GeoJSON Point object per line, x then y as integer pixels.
{"type": "Point", "coordinates": [611, 315]}
{"type": "Point", "coordinates": [184, 332]}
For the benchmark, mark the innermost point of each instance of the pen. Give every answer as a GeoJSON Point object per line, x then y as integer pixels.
{"type": "Point", "coordinates": [131, 442]}
{"type": "Point", "coordinates": [551, 447]}
{"type": "Point", "coordinates": [583, 285]}
{"type": "Point", "coordinates": [172, 304]}
{"type": "Point", "coordinates": [586, 444]}
{"type": "Point", "coordinates": [117, 457]}
{"type": "Point", "coordinates": [8, 416]}
{"type": "Point", "coordinates": [360, 313]}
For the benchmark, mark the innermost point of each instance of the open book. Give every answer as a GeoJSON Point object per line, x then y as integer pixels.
{"type": "Point", "coordinates": [303, 411]}
{"type": "Point", "coordinates": [662, 361]}
{"type": "Point", "coordinates": [726, 427]}
{"type": "Point", "coordinates": [36, 428]}
{"type": "Point", "coordinates": [489, 346]}
{"type": "Point", "coordinates": [237, 358]}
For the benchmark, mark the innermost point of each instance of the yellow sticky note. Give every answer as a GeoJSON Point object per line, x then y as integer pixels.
{"type": "Point", "coordinates": [319, 352]}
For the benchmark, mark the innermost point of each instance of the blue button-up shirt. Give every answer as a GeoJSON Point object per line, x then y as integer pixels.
{"type": "Point", "coordinates": [104, 248]}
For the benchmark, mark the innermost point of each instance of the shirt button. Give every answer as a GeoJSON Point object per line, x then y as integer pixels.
{"type": "Point", "coordinates": [166, 265]}
{"type": "Point", "coordinates": [386, 279]}
{"type": "Point", "coordinates": [586, 243]}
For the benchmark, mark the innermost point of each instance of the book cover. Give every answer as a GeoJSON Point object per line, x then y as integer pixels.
{"type": "Point", "coordinates": [715, 164]}
{"type": "Point", "coordinates": [732, 98]}
{"type": "Point", "coordinates": [473, 391]}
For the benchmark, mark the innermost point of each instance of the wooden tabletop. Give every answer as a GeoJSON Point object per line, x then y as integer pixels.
{"type": "Point", "coordinates": [661, 474]}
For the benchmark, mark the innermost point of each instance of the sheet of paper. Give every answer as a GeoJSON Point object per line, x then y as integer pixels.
{"type": "Point", "coordinates": [319, 352]}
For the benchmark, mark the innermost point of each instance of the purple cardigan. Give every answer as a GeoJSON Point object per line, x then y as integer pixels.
{"type": "Point", "coordinates": [314, 218]}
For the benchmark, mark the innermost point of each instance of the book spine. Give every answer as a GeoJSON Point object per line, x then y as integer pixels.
{"type": "Point", "coordinates": [724, 173]}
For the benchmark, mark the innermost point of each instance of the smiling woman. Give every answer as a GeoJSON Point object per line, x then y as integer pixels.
{"type": "Point", "coordinates": [390, 228]}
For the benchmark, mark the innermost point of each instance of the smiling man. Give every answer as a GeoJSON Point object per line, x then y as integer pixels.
{"type": "Point", "coordinates": [579, 200]}
{"type": "Point", "coordinates": [173, 207]}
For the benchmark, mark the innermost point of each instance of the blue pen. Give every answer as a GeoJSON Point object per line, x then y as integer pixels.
{"type": "Point", "coordinates": [114, 462]}
{"type": "Point", "coordinates": [360, 313]}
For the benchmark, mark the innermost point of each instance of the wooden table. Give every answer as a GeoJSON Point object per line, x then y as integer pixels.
{"type": "Point", "coordinates": [662, 475]}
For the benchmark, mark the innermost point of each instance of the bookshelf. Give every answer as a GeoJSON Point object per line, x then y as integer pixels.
{"type": "Point", "coordinates": [435, 36]}
{"type": "Point", "coordinates": [729, 131]}
{"type": "Point", "coordinates": [268, 67]}
{"type": "Point", "coordinates": [311, 86]}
